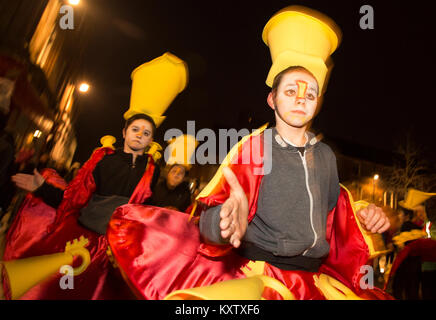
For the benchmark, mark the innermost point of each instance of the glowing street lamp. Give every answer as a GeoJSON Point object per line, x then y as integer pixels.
{"type": "Point", "coordinates": [74, 2]}
{"type": "Point", "coordinates": [376, 177]}
{"type": "Point", "coordinates": [84, 87]}
{"type": "Point", "coordinates": [37, 134]}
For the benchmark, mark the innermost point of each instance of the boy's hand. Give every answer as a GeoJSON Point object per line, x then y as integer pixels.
{"type": "Point", "coordinates": [28, 182]}
{"type": "Point", "coordinates": [373, 218]}
{"type": "Point", "coordinates": [234, 211]}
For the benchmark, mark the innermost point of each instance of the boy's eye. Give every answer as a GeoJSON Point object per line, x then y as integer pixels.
{"type": "Point", "coordinates": [310, 96]}
{"type": "Point", "coordinates": [291, 92]}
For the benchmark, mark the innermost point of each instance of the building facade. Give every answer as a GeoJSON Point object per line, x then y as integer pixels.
{"type": "Point", "coordinates": [42, 60]}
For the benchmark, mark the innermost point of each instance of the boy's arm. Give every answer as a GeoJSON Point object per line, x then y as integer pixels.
{"type": "Point", "coordinates": [37, 184]}
{"type": "Point", "coordinates": [210, 226]}
{"type": "Point", "coordinates": [231, 217]}
{"type": "Point", "coordinates": [50, 194]}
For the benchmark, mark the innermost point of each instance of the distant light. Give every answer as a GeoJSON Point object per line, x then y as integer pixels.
{"type": "Point", "coordinates": [376, 176]}
{"type": "Point", "coordinates": [84, 87]}
{"type": "Point", "coordinates": [74, 2]}
{"type": "Point", "coordinates": [37, 134]}
{"type": "Point", "coordinates": [427, 229]}
{"type": "Point", "coordinates": [382, 270]}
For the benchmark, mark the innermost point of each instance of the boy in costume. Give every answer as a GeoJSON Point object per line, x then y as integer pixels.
{"type": "Point", "coordinates": [276, 198]}
{"type": "Point", "coordinates": [173, 192]}
{"type": "Point", "coordinates": [110, 178]}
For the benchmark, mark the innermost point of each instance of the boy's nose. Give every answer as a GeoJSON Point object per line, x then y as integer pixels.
{"type": "Point", "coordinates": [300, 100]}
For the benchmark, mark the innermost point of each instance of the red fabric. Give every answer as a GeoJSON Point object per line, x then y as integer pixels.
{"type": "Point", "coordinates": [159, 251]}
{"type": "Point", "coordinates": [33, 212]}
{"type": "Point", "coordinates": [99, 281]}
{"type": "Point", "coordinates": [300, 283]}
{"type": "Point", "coordinates": [423, 248]}
{"type": "Point", "coordinates": [80, 190]}
{"type": "Point", "coordinates": [249, 177]}
{"type": "Point", "coordinates": [348, 251]}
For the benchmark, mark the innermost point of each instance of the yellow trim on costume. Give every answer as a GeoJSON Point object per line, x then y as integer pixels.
{"type": "Point", "coordinates": [193, 210]}
{"type": "Point", "coordinates": [374, 241]}
{"type": "Point", "coordinates": [216, 178]}
{"type": "Point", "coordinates": [405, 236]}
{"type": "Point", "coordinates": [254, 268]}
{"type": "Point", "coordinates": [250, 288]}
{"type": "Point", "coordinates": [24, 274]}
{"type": "Point", "coordinates": [333, 289]}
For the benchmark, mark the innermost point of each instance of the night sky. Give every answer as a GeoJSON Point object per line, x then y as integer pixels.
{"type": "Point", "coordinates": [381, 86]}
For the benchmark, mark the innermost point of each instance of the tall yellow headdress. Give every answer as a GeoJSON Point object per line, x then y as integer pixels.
{"type": "Point", "coordinates": [414, 198]}
{"type": "Point", "coordinates": [180, 150]}
{"type": "Point", "coordinates": [155, 84]}
{"type": "Point", "coordinates": [299, 36]}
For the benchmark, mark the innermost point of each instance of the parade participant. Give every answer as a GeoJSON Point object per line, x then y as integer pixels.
{"type": "Point", "coordinates": [429, 268]}
{"type": "Point", "coordinates": [115, 176]}
{"type": "Point", "coordinates": [172, 192]}
{"type": "Point", "coordinates": [406, 273]}
{"type": "Point", "coordinates": [110, 178]}
{"type": "Point", "coordinates": [296, 219]}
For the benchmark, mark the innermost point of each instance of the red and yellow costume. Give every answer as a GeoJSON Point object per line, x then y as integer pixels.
{"type": "Point", "coordinates": [39, 230]}
{"type": "Point", "coordinates": [160, 251]}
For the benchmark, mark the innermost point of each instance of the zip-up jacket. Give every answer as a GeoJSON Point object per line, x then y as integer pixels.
{"type": "Point", "coordinates": [289, 227]}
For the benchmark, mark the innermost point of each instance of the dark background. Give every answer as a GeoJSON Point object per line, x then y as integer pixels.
{"type": "Point", "coordinates": [381, 87]}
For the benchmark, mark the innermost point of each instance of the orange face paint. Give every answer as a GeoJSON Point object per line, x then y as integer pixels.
{"type": "Point", "coordinates": [302, 88]}
{"type": "Point", "coordinates": [141, 131]}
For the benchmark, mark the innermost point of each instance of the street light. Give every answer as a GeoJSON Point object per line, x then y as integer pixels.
{"type": "Point", "coordinates": [376, 177]}
{"type": "Point", "coordinates": [74, 2]}
{"type": "Point", "coordinates": [84, 87]}
{"type": "Point", "coordinates": [37, 134]}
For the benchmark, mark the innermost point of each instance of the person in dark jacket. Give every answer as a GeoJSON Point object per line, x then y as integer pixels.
{"type": "Point", "coordinates": [116, 176]}
{"type": "Point", "coordinates": [173, 192]}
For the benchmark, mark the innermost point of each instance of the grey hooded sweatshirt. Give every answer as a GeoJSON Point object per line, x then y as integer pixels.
{"type": "Point", "coordinates": [289, 227]}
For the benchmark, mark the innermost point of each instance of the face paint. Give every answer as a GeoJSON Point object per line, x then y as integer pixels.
{"type": "Point", "coordinates": [141, 131]}
{"type": "Point", "coordinates": [302, 88]}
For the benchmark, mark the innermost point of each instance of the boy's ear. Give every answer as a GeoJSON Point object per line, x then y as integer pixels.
{"type": "Point", "coordinates": [124, 133]}
{"type": "Point", "coordinates": [270, 100]}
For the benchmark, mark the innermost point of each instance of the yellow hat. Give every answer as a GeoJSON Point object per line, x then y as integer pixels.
{"type": "Point", "coordinates": [299, 36]}
{"type": "Point", "coordinates": [414, 198]}
{"type": "Point", "coordinates": [180, 150]}
{"type": "Point", "coordinates": [155, 84]}
{"type": "Point", "coordinates": [108, 141]}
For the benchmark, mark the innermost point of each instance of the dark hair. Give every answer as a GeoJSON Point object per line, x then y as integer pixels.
{"type": "Point", "coordinates": [278, 77]}
{"type": "Point", "coordinates": [141, 116]}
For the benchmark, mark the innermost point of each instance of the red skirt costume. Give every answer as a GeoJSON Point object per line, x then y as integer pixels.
{"type": "Point", "coordinates": [54, 228]}
{"type": "Point", "coordinates": [160, 251]}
